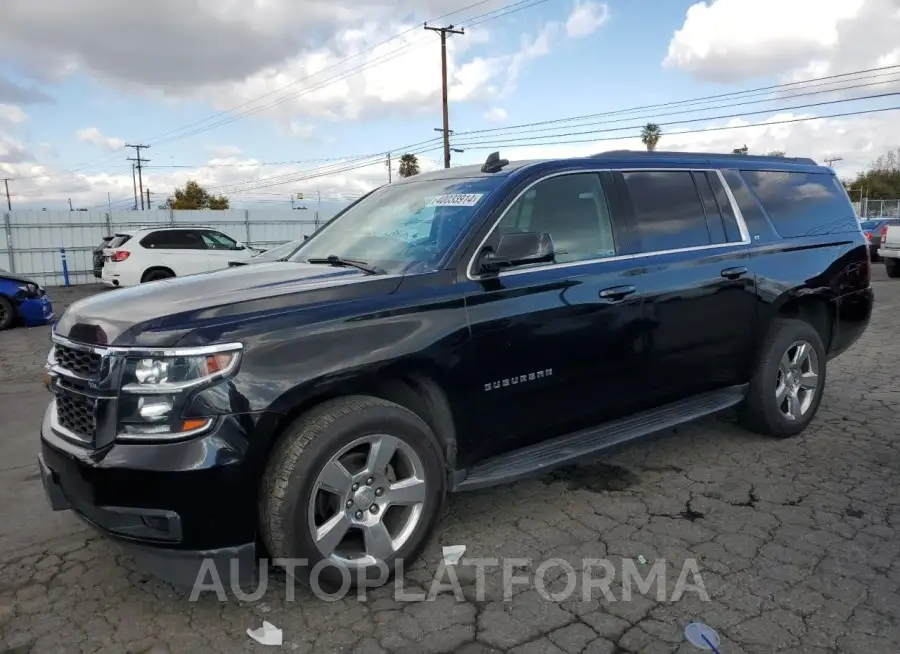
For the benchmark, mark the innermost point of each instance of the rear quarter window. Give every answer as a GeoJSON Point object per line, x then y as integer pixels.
{"type": "Point", "coordinates": [803, 204]}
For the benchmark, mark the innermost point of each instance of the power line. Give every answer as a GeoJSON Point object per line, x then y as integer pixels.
{"type": "Point", "coordinates": [492, 15]}
{"type": "Point", "coordinates": [692, 120]}
{"type": "Point", "coordinates": [719, 96]}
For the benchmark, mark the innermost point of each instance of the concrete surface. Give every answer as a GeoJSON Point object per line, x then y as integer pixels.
{"type": "Point", "coordinates": [797, 543]}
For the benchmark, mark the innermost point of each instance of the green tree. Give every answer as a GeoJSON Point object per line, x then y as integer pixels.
{"type": "Point", "coordinates": [881, 181]}
{"type": "Point", "coordinates": [409, 165]}
{"type": "Point", "coordinates": [650, 135]}
{"type": "Point", "coordinates": [194, 196]}
{"type": "Point", "coordinates": [775, 153]}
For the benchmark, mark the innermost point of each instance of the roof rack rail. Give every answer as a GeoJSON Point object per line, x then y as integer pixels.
{"type": "Point", "coordinates": [642, 154]}
{"type": "Point", "coordinates": [493, 163]}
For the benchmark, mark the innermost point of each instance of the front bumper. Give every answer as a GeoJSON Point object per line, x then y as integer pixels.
{"type": "Point", "coordinates": [172, 506]}
{"type": "Point", "coordinates": [36, 311]}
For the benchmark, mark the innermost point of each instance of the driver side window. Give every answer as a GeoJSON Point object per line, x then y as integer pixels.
{"type": "Point", "coordinates": [572, 209]}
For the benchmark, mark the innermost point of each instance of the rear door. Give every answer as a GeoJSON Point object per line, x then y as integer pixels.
{"type": "Point", "coordinates": [181, 250]}
{"type": "Point", "coordinates": [699, 304]}
{"type": "Point", "coordinates": [221, 249]}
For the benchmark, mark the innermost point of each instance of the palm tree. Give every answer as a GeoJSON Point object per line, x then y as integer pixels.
{"type": "Point", "coordinates": [650, 135]}
{"type": "Point", "coordinates": [409, 165]}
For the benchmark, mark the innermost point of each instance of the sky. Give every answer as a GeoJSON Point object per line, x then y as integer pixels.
{"type": "Point", "coordinates": [265, 99]}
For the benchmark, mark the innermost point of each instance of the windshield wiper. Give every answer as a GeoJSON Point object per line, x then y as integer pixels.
{"type": "Point", "coordinates": [334, 260]}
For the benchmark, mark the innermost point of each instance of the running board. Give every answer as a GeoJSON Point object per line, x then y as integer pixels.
{"type": "Point", "coordinates": [569, 449]}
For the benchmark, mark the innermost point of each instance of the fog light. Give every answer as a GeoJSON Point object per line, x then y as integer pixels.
{"type": "Point", "coordinates": [154, 408]}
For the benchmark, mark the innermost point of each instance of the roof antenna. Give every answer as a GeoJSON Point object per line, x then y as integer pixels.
{"type": "Point", "coordinates": [494, 163]}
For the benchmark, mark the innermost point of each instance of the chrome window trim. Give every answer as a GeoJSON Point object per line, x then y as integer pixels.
{"type": "Point", "coordinates": [738, 215]}
{"type": "Point", "coordinates": [104, 350]}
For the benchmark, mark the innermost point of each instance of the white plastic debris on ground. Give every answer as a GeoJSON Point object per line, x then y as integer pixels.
{"type": "Point", "coordinates": [453, 553]}
{"type": "Point", "coordinates": [268, 634]}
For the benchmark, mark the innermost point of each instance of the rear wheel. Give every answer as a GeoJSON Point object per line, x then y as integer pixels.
{"type": "Point", "coordinates": [7, 314]}
{"type": "Point", "coordinates": [892, 268]}
{"type": "Point", "coordinates": [155, 275]}
{"type": "Point", "coordinates": [353, 487]}
{"type": "Point", "coordinates": [788, 381]}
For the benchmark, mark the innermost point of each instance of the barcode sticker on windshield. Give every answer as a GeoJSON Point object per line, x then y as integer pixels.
{"type": "Point", "coordinates": [455, 200]}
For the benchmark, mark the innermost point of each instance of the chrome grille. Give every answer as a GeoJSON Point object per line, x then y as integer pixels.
{"type": "Point", "coordinates": [77, 413]}
{"type": "Point", "coordinates": [81, 362]}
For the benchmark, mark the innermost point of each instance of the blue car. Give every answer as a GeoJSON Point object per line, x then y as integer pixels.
{"type": "Point", "coordinates": [22, 301]}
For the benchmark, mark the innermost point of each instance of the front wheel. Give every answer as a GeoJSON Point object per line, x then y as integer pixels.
{"type": "Point", "coordinates": [353, 487]}
{"type": "Point", "coordinates": [7, 314]}
{"type": "Point", "coordinates": [788, 381]}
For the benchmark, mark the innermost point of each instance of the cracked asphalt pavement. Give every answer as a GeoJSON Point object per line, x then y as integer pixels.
{"type": "Point", "coordinates": [797, 543]}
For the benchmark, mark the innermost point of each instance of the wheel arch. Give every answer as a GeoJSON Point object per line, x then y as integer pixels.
{"type": "Point", "coordinates": [418, 387]}
{"type": "Point", "coordinates": [151, 269]}
{"type": "Point", "coordinates": [815, 309]}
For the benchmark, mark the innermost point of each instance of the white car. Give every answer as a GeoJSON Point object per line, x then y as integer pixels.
{"type": "Point", "coordinates": [147, 255]}
{"type": "Point", "coordinates": [889, 249]}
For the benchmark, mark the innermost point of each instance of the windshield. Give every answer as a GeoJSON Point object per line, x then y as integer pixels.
{"type": "Point", "coordinates": [869, 224]}
{"type": "Point", "coordinates": [278, 252]}
{"type": "Point", "coordinates": [403, 228]}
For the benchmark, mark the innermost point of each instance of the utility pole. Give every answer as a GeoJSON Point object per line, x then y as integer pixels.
{"type": "Point", "coordinates": [148, 199]}
{"type": "Point", "coordinates": [444, 31]}
{"type": "Point", "coordinates": [388, 164]}
{"type": "Point", "coordinates": [832, 160]}
{"type": "Point", "coordinates": [139, 160]}
{"type": "Point", "coordinates": [6, 181]}
{"type": "Point", "coordinates": [134, 181]}
{"type": "Point", "coordinates": [70, 205]}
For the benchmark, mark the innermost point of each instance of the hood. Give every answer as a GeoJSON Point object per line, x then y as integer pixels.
{"type": "Point", "coordinates": [158, 314]}
{"type": "Point", "coordinates": [16, 278]}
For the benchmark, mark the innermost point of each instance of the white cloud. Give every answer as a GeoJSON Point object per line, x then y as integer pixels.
{"type": "Point", "coordinates": [302, 131]}
{"type": "Point", "coordinates": [495, 114]}
{"type": "Point", "coordinates": [290, 51]}
{"type": "Point", "coordinates": [223, 150]}
{"type": "Point", "coordinates": [10, 113]}
{"type": "Point", "coordinates": [586, 18]}
{"type": "Point", "coordinates": [93, 136]}
{"type": "Point", "coordinates": [733, 40]}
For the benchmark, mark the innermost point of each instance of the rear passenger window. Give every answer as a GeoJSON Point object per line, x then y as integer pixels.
{"type": "Point", "coordinates": [668, 213]}
{"type": "Point", "coordinates": [802, 204]}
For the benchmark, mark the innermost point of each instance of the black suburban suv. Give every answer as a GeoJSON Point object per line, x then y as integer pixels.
{"type": "Point", "coordinates": [447, 332]}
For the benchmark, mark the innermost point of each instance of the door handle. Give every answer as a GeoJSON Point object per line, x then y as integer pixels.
{"type": "Point", "coordinates": [617, 292]}
{"type": "Point", "coordinates": [734, 273]}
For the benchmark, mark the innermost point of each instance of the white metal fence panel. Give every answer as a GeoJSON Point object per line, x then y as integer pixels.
{"type": "Point", "coordinates": [34, 243]}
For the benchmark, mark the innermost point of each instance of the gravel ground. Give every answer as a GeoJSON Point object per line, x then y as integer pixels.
{"type": "Point", "coordinates": [796, 542]}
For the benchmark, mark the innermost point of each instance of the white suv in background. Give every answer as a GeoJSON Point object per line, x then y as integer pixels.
{"type": "Point", "coordinates": [147, 255]}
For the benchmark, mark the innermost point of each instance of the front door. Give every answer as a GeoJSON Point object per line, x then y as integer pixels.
{"type": "Point", "coordinates": [554, 347]}
{"type": "Point", "coordinates": [699, 290]}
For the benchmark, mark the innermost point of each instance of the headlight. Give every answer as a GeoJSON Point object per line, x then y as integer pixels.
{"type": "Point", "coordinates": [178, 371]}
{"type": "Point", "coordinates": [156, 389]}
{"type": "Point", "coordinates": [30, 290]}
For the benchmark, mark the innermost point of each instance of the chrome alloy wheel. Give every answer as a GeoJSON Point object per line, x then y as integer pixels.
{"type": "Point", "coordinates": [367, 501]}
{"type": "Point", "coordinates": [798, 380]}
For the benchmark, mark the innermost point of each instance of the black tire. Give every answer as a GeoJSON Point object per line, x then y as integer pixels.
{"type": "Point", "coordinates": [760, 411]}
{"type": "Point", "coordinates": [892, 269]}
{"type": "Point", "coordinates": [156, 275]}
{"type": "Point", "coordinates": [298, 458]}
{"type": "Point", "coordinates": [7, 313]}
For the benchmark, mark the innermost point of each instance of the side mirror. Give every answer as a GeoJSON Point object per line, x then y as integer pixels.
{"type": "Point", "coordinates": [240, 247]}
{"type": "Point", "coordinates": [519, 250]}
